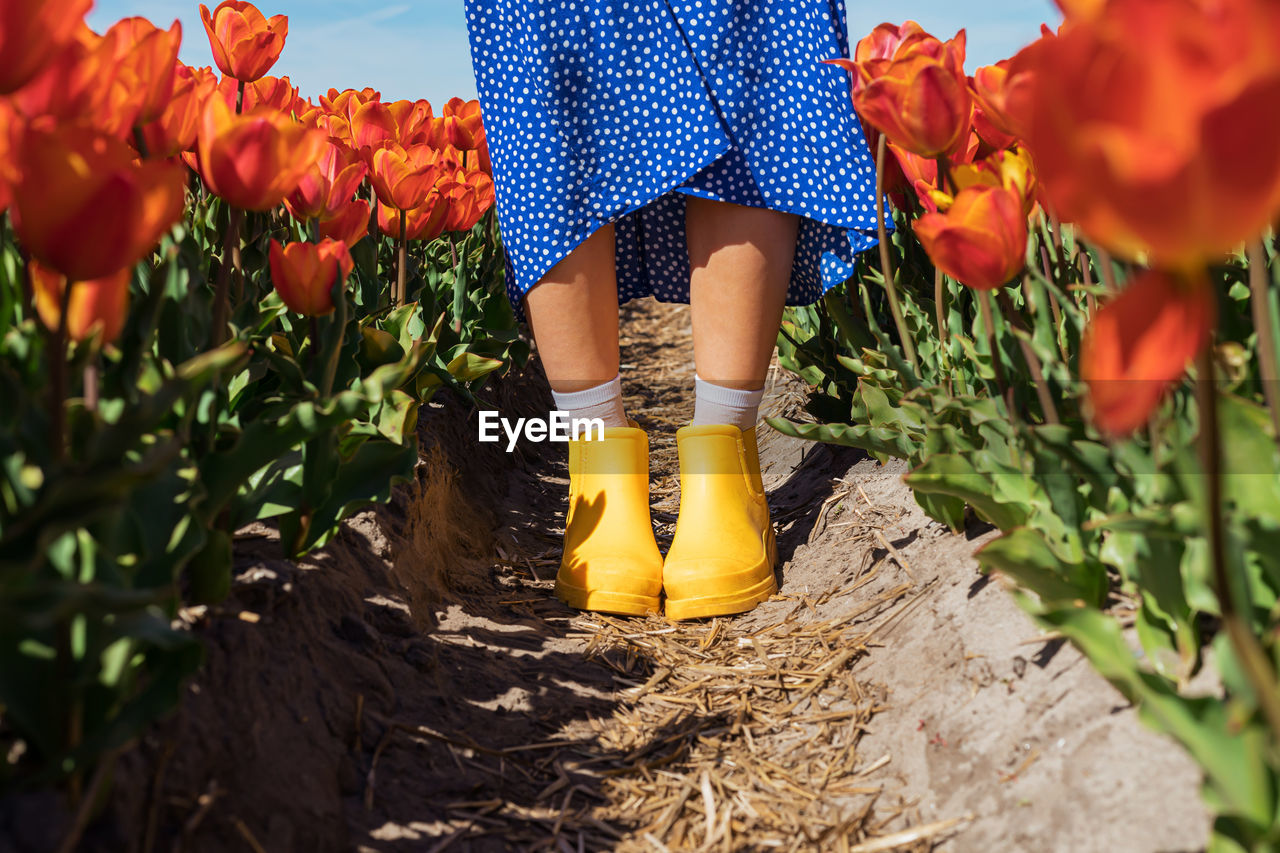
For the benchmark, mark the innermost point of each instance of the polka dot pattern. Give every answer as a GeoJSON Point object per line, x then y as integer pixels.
{"type": "Point", "coordinates": [615, 111]}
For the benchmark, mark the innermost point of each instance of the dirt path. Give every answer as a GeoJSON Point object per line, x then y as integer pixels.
{"type": "Point", "coordinates": [415, 686]}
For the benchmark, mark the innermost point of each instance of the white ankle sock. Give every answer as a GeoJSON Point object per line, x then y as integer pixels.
{"type": "Point", "coordinates": [716, 404]}
{"type": "Point", "coordinates": [602, 401]}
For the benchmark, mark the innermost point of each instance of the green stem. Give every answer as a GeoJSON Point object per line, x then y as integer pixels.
{"type": "Point", "coordinates": [331, 367]}
{"type": "Point", "coordinates": [1029, 354]}
{"type": "Point", "coordinates": [1260, 302]}
{"type": "Point", "coordinates": [459, 286]}
{"type": "Point", "coordinates": [1108, 271]}
{"type": "Point", "coordinates": [908, 346]}
{"type": "Point", "coordinates": [402, 264]}
{"type": "Point", "coordinates": [230, 256]}
{"type": "Point", "coordinates": [240, 98]}
{"type": "Point", "coordinates": [945, 182]}
{"type": "Point", "coordinates": [1253, 659]}
{"type": "Point", "coordinates": [58, 378]}
{"type": "Point", "coordinates": [988, 320]}
{"type": "Point", "coordinates": [1087, 274]}
{"type": "Point", "coordinates": [315, 344]}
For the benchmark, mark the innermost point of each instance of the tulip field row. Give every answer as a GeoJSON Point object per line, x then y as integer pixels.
{"type": "Point", "coordinates": [1070, 333]}
{"type": "Point", "coordinates": [220, 303]}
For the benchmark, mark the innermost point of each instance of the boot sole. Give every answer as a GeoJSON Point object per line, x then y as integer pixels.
{"type": "Point", "coordinates": [727, 604]}
{"type": "Point", "coordinates": [606, 601]}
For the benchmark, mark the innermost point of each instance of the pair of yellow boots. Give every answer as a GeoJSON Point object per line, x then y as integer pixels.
{"type": "Point", "coordinates": [723, 552]}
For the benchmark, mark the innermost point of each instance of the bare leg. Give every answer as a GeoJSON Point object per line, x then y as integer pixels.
{"type": "Point", "coordinates": [741, 266]}
{"type": "Point", "coordinates": [573, 312]}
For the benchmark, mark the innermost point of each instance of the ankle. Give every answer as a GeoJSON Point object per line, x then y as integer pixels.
{"type": "Point", "coordinates": [719, 404]}
{"type": "Point", "coordinates": [603, 401]}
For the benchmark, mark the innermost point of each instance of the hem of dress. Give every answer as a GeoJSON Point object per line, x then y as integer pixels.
{"type": "Point", "coordinates": [594, 224]}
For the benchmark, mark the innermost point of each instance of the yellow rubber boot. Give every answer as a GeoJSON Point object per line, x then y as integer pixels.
{"type": "Point", "coordinates": [611, 561]}
{"type": "Point", "coordinates": [722, 555]}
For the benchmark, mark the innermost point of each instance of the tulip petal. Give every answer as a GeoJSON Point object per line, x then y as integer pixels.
{"type": "Point", "coordinates": [1139, 344]}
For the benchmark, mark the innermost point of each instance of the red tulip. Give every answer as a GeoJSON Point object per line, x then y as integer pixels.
{"type": "Point", "coordinates": [245, 44]}
{"type": "Point", "coordinates": [350, 224]}
{"type": "Point", "coordinates": [1138, 345]}
{"type": "Point", "coordinates": [304, 274]}
{"type": "Point", "coordinates": [97, 306]}
{"type": "Point", "coordinates": [328, 185]}
{"type": "Point", "coordinates": [981, 240]}
{"type": "Point", "coordinates": [32, 32]}
{"type": "Point", "coordinates": [254, 161]}
{"type": "Point", "coordinates": [1153, 126]}
{"type": "Point", "coordinates": [8, 174]}
{"type": "Point", "coordinates": [85, 207]}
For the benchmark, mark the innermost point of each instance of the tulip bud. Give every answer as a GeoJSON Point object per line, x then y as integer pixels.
{"type": "Point", "coordinates": [97, 306]}
{"type": "Point", "coordinates": [981, 240]}
{"type": "Point", "coordinates": [304, 274]}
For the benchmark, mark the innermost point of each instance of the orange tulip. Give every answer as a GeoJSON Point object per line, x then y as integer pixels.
{"type": "Point", "coordinates": [402, 177]}
{"type": "Point", "coordinates": [980, 240]}
{"type": "Point", "coordinates": [245, 44]}
{"type": "Point", "coordinates": [147, 56]}
{"type": "Point", "coordinates": [463, 123]}
{"type": "Point", "coordinates": [346, 102]}
{"type": "Point", "coordinates": [328, 185]}
{"type": "Point", "coordinates": [254, 161]}
{"type": "Point", "coordinates": [411, 120]}
{"type": "Point", "coordinates": [918, 98]}
{"type": "Point", "coordinates": [32, 32]}
{"type": "Point", "coordinates": [175, 130]}
{"type": "Point", "coordinates": [97, 306]}
{"type": "Point", "coordinates": [1138, 345]}
{"type": "Point", "coordinates": [276, 93]}
{"type": "Point", "coordinates": [85, 207]}
{"type": "Point", "coordinates": [350, 224]}
{"type": "Point", "coordinates": [1153, 125]}
{"type": "Point", "coordinates": [470, 195]}
{"type": "Point", "coordinates": [85, 83]}
{"type": "Point", "coordinates": [424, 223]}
{"type": "Point", "coordinates": [304, 274]}
{"type": "Point", "coordinates": [1009, 169]}
{"type": "Point", "coordinates": [883, 42]}
{"type": "Point", "coordinates": [989, 86]}
{"type": "Point", "coordinates": [373, 126]}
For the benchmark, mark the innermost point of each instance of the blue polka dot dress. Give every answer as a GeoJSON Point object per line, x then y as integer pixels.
{"type": "Point", "coordinates": [615, 111]}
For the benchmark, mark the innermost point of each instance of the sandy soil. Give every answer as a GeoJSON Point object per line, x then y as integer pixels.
{"type": "Point", "coordinates": [415, 686]}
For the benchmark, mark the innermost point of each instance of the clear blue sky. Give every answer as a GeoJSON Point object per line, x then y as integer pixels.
{"type": "Point", "coordinates": [418, 49]}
